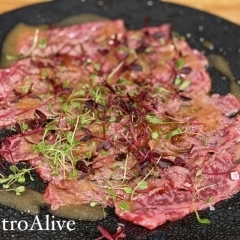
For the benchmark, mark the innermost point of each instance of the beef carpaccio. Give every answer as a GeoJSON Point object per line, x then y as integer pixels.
{"type": "Point", "coordinates": [123, 119]}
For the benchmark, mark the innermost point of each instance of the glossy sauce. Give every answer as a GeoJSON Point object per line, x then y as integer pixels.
{"type": "Point", "coordinates": [80, 211]}
{"type": "Point", "coordinates": [11, 42]}
{"type": "Point", "coordinates": [223, 67]}
{"type": "Point", "coordinates": [29, 201]}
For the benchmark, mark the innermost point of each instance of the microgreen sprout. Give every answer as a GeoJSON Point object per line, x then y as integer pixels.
{"type": "Point", "coordinates": [96, 203]}
{"type": "Point", "coordinates": [61, 151]}
{"type": "Point", "coordinates": [24, 127]}
{"type": "Point", "coordinates": [154, 119]}
{"type": "Point", "coordinates": [17, 176]}
{"type": "Point", "coordinates": [199, 179]}
{"type": "Point", "coordinates": [180, 63]}
{"type": "Point", "coordinates": [42, 43]}
{"type": "Point", "coordinates": [175, 132]}
{"type": "Point", "coordinates": [184, 85]}
{"type": "Point", "coordinates": [181, 84]}
{"type": "Point", "coordinates": [143, 184]}
{"type": "Point", "coordinates": [124, 205]}
{"type": "Point", "coordinates": [154, 135]}
{"type": "Point", "coordinates": [201, 220]}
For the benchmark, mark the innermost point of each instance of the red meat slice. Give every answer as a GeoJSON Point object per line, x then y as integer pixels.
{"type": "Point", "coordinates": [192, 166]}
{"type": "Point", "coordinates": [75, 40]}
{"type": "Point", "coordinates": [61, 193]}
{"type": "Point", "coordinates": [204, 178]}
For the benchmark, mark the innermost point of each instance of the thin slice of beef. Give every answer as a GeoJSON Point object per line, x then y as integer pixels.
{"type": "Point", "coordinates": [138, 94]}
{"type": "Point", "coordinates": [74, 40]}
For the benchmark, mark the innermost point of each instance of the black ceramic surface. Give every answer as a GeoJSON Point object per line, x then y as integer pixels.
{"type": "Point", "coordinates": [225, 220]}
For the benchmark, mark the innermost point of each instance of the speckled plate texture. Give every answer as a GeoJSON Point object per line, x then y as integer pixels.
{"type": "Point", "coordinates": [196, 26]}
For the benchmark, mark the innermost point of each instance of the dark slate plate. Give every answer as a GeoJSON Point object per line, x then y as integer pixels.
{"type": "Point", "coordinates": [188, 22]}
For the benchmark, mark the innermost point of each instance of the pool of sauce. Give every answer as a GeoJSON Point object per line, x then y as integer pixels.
{"type": "Point", "coordinates": [30, 201]}
{"type": "Point", "coordinates": [11, 42]}
{"type": "Point", "coordinates": [222, 66]}
{"type": "Point", "coordinates": [80, 212]}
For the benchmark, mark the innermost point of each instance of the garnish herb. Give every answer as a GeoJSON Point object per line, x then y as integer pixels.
{"type": "Point", "coordinates": [180, 63]}
{"type": "Point", "coordinates": [184, 85]}
{"type": "Point", "coordinates": [24, 127]}
{"type": "Point", "coordinates": [177, 81]}
{"type": "Point", "coordinates": [154, 135]}
{"type": "Point", "coordinates": [199, 178]}
{"type": "Point", "coordinates": [124, 205]}
{"type": "Point", "coordinates": [61, 150]}
{"type": "Point", "coordinates": [175, 132]}
{"type": "Point", "coordinates": [202, 220]}
{"type": "Point", "coordinates": [17, 176]}
{"type": "Point", "coordinates": [42, 43]}
{"type": "Point", "coordinates": [154, 119]}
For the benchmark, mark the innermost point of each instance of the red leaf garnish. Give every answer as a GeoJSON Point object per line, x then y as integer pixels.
{"type": "Point", "coordinates": [87, 131]}
{"type": "Point", "coordinates": [86, 138]}
{"type": "Point", "coordinates": [15, 144]}
{"type": "Point", "coordinates": [18, 128]}
{"type": "Point", "coordinates": [105, 233]}
{"type": "Point", "coordinates": [6, 142]}
{"type": "Point", "coordinates": [107, 145]}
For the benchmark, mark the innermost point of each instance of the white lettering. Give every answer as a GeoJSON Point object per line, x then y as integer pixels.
{"type": "Point", "coordinates": [47, 223]}
{"type": "Point", "coordinates": [4, 221]}
{"type": "Point", "coordinates": [20, 223]}
{"type": "Point", "coordinates": [36, 221]}
{"type": "Point", "coordinates": [12, 227]}
{"type": "Point", "coordinates": [53, 224]}
{"type": "Point", "coordinates": [69, 227]}
{"type": "Point", "coordinates": [59, 224]}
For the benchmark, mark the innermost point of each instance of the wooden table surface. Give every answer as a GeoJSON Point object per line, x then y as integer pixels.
{"type": "Point", "coordinates": [228, 9]}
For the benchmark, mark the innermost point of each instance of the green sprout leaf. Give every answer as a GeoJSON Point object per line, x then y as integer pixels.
{"type": "Point", "coordinates": [19, 190]}
{"type": "Point", "coordinates": [154, 119]}
{"type": "Point", "coordinates": [198, 173]}
{"type": "Point", "coordinates": [177, 81]}
{"type": "Point", "coordinates": [112, 119]}
{"type": "Point", "coordinates": [3, 180]}
{"type": "Point", "coordinates": [180, 63]}
{"type": "Point", "coordinates": [88, 154]}
{"type": "Point", "coordinates": [93, 204]}
{"type": "Point", "coordinates": [24, 126]}
{"type": "Point", "coordinates": [149, 50]}
{"type": "Point", "coordinates": [14, 169]}
{"type": "Point", "coordinates": [184, 85]}
{"type": "Point", "coordinates": [202, 220]}
{"type": "Point", "coordinates": [128, 190]}
{"type": "Point", "coordinates": [21, 179]}
{"type": "Point", "coordinates": [18, 176]}
{"type": "Point", "coordinates": [143, 185]}
{"type": "Point", "coordinates": [112, 193]}
{"type": "Point", "coordinates": [154, 135]}
{"type": "Point", "coordinates": [124, 205]}
{"type": "Point", "coordinates": [175, 132]}
{"type": "Point", "coordinates": [11, 57]}
{"type": "Point", "coordinates": [42, 43]}
{"type": "Point", "coordinates": [65, 107]}
{"type": "Point", "coordinates": [161, 89]}
{"type": "Point", "coordinates": [96, 66]}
